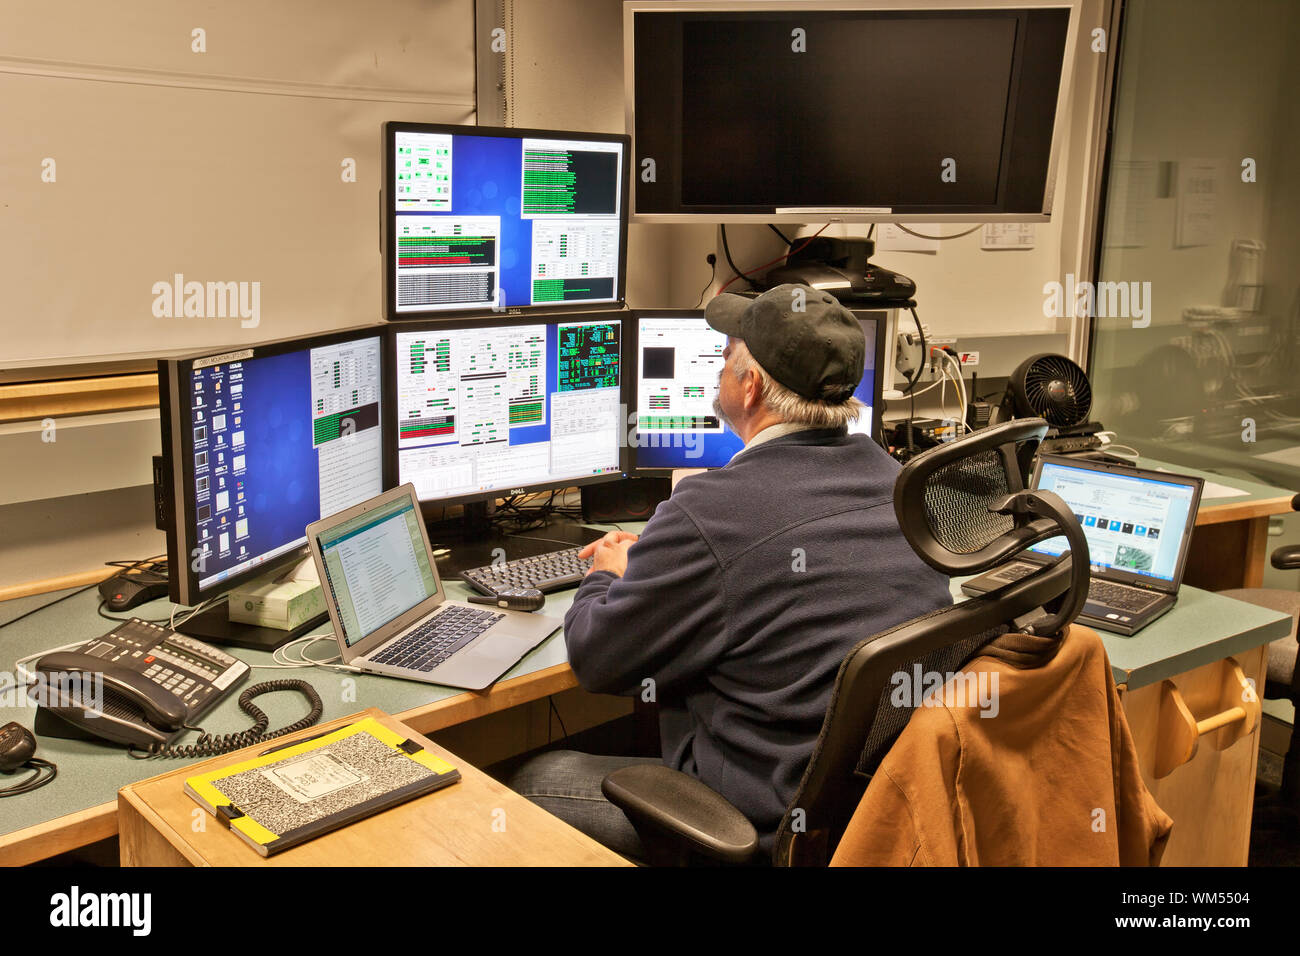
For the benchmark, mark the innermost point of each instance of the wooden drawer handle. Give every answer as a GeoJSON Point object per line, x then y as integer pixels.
{"type": "Point", "coordinates": [1180, 732]}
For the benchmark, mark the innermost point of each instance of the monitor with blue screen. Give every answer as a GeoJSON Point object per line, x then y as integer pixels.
{"type": "Point", "coordinates": [260, 442]}
{"type": "Point", "coordinates": [679, 358]}
{"type": "Point", "coordinates": [493, 407]}
{"type": "Point", "coordinates": [479, 219]}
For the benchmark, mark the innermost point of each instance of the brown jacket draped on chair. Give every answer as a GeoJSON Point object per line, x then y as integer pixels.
{"type": "Point", "coordinates": [1049, 778]}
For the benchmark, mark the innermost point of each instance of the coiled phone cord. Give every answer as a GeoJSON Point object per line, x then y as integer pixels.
{"type": "Point", "coordinates": [210, 746]}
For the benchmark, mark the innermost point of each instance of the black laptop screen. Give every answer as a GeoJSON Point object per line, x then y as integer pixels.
{"type": "Point", "coordinates": [1133, 523]}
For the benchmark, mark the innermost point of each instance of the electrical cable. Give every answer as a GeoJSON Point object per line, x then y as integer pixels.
{"type": "Point", "coordinates": [921, 235]}
{"type": "Point", "coordinates": [285, 661]}
{"type": "Point", "coordinates": [45, 772]}
{"type": "Point", "coordinates": [563, 730]}
{"type": "Point", "coordinates": [779, 233]}
{"type": "Point", "coordinates": [772, 262]}
{"type": "Point", "coordinates": [712, 276]}
{"type": "Point", "coordinates": [48, 604]}
{"type": "Point", "coordinates": [916, 375]}
{"type": "Point", "coordinates": [121, 620]}
{"type": "Point", "coordinates": [960, 384]}
{"type": "Point", "coordinates": [726, 251]}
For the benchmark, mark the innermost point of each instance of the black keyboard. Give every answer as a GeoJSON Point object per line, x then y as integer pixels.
{"type": "Point", "coordinates": [1099, 592]}
{"type": "Point", "coordinates": [546, 572]}
{"type": "Point", "coordinates": [437, 639]}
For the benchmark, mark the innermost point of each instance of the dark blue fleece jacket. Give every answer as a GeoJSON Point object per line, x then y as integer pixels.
{"type": "Point", "coordinates": [742, 597]}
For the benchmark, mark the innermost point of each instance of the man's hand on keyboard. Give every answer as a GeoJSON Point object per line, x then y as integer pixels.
{"type": "Point", "coordinates": [610, 552]}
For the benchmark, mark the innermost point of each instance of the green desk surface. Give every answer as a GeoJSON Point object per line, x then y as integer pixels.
{"type": "Point", "coordinates": [91, 774]}
{"type": "Point", "coordinates": [1202, 627]}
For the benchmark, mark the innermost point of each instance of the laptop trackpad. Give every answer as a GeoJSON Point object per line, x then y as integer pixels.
{"type": "Point", "coordinates": [502, 649]}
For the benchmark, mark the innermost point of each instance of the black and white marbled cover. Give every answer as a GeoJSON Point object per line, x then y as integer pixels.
{"type": "Point", "coordinates": [361, 769]}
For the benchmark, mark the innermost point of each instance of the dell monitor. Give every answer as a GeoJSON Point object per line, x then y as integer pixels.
{"type": "Point", "coordinates": [679, 358]}
{"type": "Point", "coordinates": [494, 407]}
{"type": "Point", "coordinates": [258, 443]}
{"type": "Point", "coordinates": [479, 219]}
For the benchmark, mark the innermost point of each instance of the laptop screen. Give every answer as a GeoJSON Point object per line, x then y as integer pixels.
{"type": "Point", "coordinates": [1133, 523]}
{"type": "Point", "coordinates": [376, 567]}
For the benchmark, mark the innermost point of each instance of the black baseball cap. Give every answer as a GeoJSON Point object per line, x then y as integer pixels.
{"type": "Point", "coordinates": [802, 336]}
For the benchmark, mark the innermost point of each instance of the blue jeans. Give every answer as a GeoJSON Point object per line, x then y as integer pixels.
{"type": "Point", "coordinates": [567, 784]}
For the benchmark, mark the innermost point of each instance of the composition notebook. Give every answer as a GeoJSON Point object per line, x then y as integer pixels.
{"type": "Point", "coordinates": [289, 796]}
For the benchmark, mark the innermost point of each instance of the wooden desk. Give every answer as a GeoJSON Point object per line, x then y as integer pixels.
{"type": "Point", "coordinates": [476, 822]}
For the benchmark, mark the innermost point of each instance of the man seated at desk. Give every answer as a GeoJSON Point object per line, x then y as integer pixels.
{"type": "Point", "coordinates": [749, 586]}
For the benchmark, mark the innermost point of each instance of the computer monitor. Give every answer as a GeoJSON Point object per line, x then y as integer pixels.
{"type": "Point", "coordinates": [861, 110]}
{"type": "Point", "coordinates": [679, 358]}
{"type": "Point", "coordinates": [258, 442]}
{"type": "Point", "coordinates": [480, 219]}
{"type": "Point", "coordinates": [488, 408]}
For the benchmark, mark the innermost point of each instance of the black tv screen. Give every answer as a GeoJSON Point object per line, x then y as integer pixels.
{"type": "Point", "coordinates": [914, 113]}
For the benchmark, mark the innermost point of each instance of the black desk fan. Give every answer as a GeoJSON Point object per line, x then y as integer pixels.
{"type": "Point", "coordinates": [1053, 388]}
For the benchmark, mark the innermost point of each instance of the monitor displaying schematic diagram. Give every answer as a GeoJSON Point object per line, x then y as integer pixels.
{"type": "Point", "coordinates": [488, 409]}
{"type": "Point", "coordinates": [676, 424]}
{"type": "Point", "coordinates": [479, 219]}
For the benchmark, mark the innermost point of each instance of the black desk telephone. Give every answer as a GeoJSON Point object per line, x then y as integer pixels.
{"type": "Point", "coordinates": [145, 684]}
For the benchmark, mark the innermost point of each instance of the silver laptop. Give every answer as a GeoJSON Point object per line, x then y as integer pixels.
{"type": "Point", "coordinates": [387, 605]}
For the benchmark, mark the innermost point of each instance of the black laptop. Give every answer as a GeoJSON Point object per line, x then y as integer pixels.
{"type": "Point", "coordinates": [1139, 526]}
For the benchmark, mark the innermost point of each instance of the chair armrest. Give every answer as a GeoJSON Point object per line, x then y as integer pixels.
{"type": "Point", "coordinates": [682, 808]}
{"type": "Point", "coordinates": [1287, 557]}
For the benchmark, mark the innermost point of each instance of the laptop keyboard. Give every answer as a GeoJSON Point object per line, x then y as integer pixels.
{"type": "Point", "coordinates": [1099, 592]}
{"type": "Point", "coordinates": [1119, 597]}
{"type": "Point", "coordinates": [437, 639]}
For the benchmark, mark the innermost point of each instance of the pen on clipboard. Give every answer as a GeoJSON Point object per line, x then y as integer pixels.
{"type": "Point", "coordinates": [295, 742]}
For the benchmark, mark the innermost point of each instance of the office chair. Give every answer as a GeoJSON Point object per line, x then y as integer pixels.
{"type": "Point", "coordinates": [963, 508]}
{"type": "Point", "coordinates": [1283, 677]}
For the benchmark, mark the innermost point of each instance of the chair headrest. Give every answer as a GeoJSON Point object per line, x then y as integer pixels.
{"type": "Point", "coordinates": [952, 501]}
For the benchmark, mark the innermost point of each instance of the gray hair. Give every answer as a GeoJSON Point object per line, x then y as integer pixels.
{"type": "Point", "coordinates": [789, 405]}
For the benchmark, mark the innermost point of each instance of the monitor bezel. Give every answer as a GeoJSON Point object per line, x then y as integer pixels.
{"type": "Point", "coordinates": [631, 8]}
{"type": "Point", "coordinates": [392, 469]}
{"type": "Point", "coordinates": [657, 471]}
{"type": "Point", "coordinates": [1119, 575]}
{"type": "Point", "coordinates": [178, 442]}
{"type": "Point", "coordinates": [388, 226]}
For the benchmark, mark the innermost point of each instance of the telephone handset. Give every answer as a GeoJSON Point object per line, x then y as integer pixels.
{"type": "Point", "coordinates": [159, 707]}
{"type": "Point", "coordinates": [140, 684]}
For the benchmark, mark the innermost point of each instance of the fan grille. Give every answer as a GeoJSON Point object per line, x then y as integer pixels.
{"type": "Point", "coordinates": [1058, 390]}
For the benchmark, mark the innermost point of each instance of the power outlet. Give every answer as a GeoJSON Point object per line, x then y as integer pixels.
{"type": "Point", "coordinates": [935, 364]}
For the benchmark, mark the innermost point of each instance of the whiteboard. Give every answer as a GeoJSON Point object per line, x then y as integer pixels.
{"type": "Point", "coordinates": [252, 167]}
